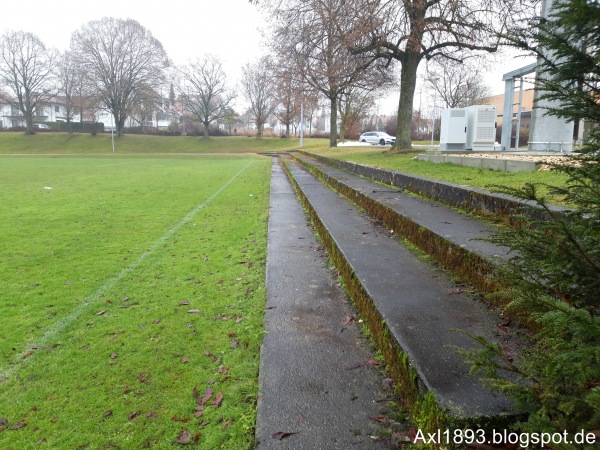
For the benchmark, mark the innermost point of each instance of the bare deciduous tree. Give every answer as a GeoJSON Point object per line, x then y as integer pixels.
{"type": "Point", "coordinates": [258, 88]}
{"type": "Point", "coordinates": [289, 96]}
{"type": "Point", "coordinates": [353, 108]}
{"type": "Point", "coordinates": [27, 79]}
{"type": "Point", "coordinates": [122, 62]}
{"type": "Point", "coordinates": [314, 34]}
{"type": "Point", "coordinates": [412, 30]}
{"type": "Point", "coordinates": [205, 91]}
{"type": "Point", "coordinates": [70, 86]}
{"type": "Point", "coordinates": [459, 84]}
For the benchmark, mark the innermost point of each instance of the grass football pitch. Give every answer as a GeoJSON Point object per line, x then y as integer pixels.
{"type": "Point", "coordinates": [132, 300]}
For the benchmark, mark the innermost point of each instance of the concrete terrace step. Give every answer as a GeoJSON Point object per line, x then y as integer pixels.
{"type": "Point", "coordinates": [453, 239]}
{"type": "Point", "coordinates": [480, 201]}
{"type": "Point", "coordinates": [308, 382]}
{"type": "Point", "coordinates": [412, 310]}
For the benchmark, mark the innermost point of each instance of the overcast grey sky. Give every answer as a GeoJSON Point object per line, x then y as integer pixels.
{"type": "Point", "coordinates": [186, 28]}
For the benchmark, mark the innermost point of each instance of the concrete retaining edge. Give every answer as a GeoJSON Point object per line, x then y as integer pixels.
{"type": "Point", "coordinates": [501, 165]}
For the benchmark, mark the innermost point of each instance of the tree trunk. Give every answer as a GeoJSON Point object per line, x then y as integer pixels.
{"type": "Point", "coordinates": [119, 125]}
{"type": "Point", "coordinates": [408, 80]}
{"type": "Point", "coordinates": [29, 125]}
{"type": "Point", "coordinates": [333, 123]}
{"type": "Point", "coordinates": [206, 129]}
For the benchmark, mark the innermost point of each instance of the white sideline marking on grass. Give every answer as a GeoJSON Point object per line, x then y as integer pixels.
{"type": "Point", "coordinates": [116, 164]}
{"type": "Point", "coordinates": [64, 322]}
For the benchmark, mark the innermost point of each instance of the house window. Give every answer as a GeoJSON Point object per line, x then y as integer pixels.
{"type": "Point", "coordinates": [57, 108]}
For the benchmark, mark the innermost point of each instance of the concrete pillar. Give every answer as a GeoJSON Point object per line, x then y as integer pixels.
{"type": "Point", "coordinates": [507, 113]}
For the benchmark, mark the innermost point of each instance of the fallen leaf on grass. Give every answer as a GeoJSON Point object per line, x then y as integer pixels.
{"type": "Point", "coordinates": [51, 347]}
{"type": "Point", "coordinates": [194, 311]}
{"type": "Point", "coordinates": [282, 435]}
{"type": "Point", "coordinates": [18, 425]}
{"type": "Point", "coordinates": [211, 356]}
{"type": "Point", "coordinates": [234, 343]}
{"type": "Point", "coordinates": [134, 414]}
{"type": "Point", "coordinates": [239, 319]}
{"type": "Point", "coordinates": [152, 415]}
{"type": "Point", "coordinates": [113, 355]}
{"type": "Point", "coordinates": [156, 321]}
{"type": "Point", "coordinates": [185, 360]}
{"type": "Point", "coordinates": [3, 424]}
{"type": "Point", "coordinates": [207, 395]}
{"type": "Point", "coordinates": [217, 400]}
{"type": "Point", "coordinates": [184, 303]}
{"type": "Point", "coordinates": [226, 425]}
{"type": "Point", "coordinates": [107, 413]}
{"type": "Point", "coordinates": [184, 437]}
{"type": "Point", "coordinates": [456, 291]}
{"type": "Point", "coordinates": [143, 378]}
{"type": "Point", "coordinates": [101, 313]}
{"type": "Point", "coordinates": [223, 370]}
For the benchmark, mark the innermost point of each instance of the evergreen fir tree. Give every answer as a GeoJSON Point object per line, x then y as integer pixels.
{"type": "Point", "coordinates": [554, 273]}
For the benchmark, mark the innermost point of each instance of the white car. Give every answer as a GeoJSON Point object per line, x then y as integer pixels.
{"type": "Point", "coordinates": [377, 137]}
{"type": "Point", "coordinates": [41, 126]}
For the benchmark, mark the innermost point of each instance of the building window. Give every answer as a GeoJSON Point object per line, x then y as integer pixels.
{"type": "Point", "coordinates": [57, 108]}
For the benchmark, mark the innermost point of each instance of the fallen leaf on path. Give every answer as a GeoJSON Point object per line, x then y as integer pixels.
{"type": "Point", "coordinates": [349, 319]}
{"type": "Point", "coordinates": [282, 435]}
{"type": "Point", "coordinates": [370, 363]}
{"type": "Point", "coordinates": [379, 419]}
{"type": "Point", "coordinates": [503, 330]}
